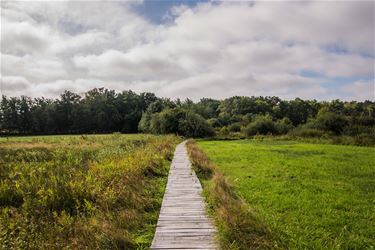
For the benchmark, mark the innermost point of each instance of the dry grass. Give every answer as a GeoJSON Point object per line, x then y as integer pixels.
{"type": "Point", "coordinates": [25, 145]}
{"type": "Point", "coordinates": [239, 226]}
{"type": "Point", "coordinates": [74, 194]}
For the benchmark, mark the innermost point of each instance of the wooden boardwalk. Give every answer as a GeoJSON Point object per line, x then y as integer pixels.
{"type": "Point", "coordinates": [183, 222]}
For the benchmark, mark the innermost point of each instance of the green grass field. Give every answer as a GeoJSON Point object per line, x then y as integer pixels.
{"type": "Point", "coordinates": [82, 192]}
{"type": "Point", "coordinates": [312, 196]}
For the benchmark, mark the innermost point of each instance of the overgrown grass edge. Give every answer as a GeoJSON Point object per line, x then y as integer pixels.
{"type": "Point", "coordinates": [83, 192]}
{"type": "Point", "coordinates": [239, 227]}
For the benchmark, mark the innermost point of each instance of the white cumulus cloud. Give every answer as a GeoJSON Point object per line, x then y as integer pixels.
{"type": "Point", "coordinates": [215, 50]}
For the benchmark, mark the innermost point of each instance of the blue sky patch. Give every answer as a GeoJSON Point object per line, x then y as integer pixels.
{"type": "Point", "coordinates": [155, 10]}
{"type": "Point", "coordinates": [335, 83]}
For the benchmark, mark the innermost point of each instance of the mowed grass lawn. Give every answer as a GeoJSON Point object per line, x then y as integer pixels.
{"type": "Point", "coordinates": [312, 196]}
{"type": "Point", "coordinates": [82, 192]}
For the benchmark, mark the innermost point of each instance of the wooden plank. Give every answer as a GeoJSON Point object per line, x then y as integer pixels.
{"type": "Point", "coordinates": [183, 222]}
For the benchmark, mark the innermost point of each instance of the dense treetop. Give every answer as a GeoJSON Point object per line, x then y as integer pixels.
{"type": "Point", "coordinates": [104, 111]}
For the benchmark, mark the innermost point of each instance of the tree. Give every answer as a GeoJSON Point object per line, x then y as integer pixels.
{"type": "Point", "coordinates": [330, 121]}
{"type": "Point", "coordinates": [40, 116]}
{"type": "Point", "coordinates": [297, 110]}
{"type": "Point", "coordinates": [262, 125]}
{"type": "Point", "coordinates": [10, 111]}
{"type": "Point", "coordinates": [144, 124]}
{"type": "Point", "coordinates": [283, 125]}
{"type": "Point", "coordinates": [194, 125]}
{"type": "Point", "coordinates": [102, 110]}
{"type": "Point", "coordinates": [207, 108]}
{"type": "Point", "coordinates": [64, 111]}
{"type": "Point", "coordinates": [25, 116]}
{"type": "Point", "coordinates": [181, 122]}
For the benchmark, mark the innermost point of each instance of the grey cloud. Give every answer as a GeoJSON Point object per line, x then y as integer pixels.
{"type": "Point", "coordinates": [129, 66]}
{"type": "Point", "coordinates": [22, 38]}
{"type": "Point", "coordinates": [14, 83]}
{"type": "Point", "coordinates": [359, 90]}
{"type": "Point", "coordinates": [213, 50]}
{"type": "Point", "coordinates": [34, 69]}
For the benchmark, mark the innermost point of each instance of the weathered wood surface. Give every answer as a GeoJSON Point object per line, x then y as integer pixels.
{"type": "Point", "coordinates": [183, 222]}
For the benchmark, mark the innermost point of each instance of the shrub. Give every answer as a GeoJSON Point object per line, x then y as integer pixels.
{"type": "Point", "coordinates": [329, 121]}
{"type": "Point", "coordinates": [224, 118]}
{"type": "Point", "coordinates": [167, 121]}
{"type": "Point", "coordinates": [283, 126]}
{"type": "Point", "coordinates": [224, 131]}
{"type": "Point", "coordinates": [261, 125]}
{"type": "Point", "coordinates": [235, 127]}
{"type": "Point", "coordinates": [246, 119]}
{"type": "Point", "coordinates": [305, 131]}
{"type": "Point", "coordinates": [365, 139]}
{"type": "Point", "coordinates": [144, 123]}
{"type": "Point", "coordinates": [181, 122]}
{"type": "Point", "coordinates": [194, 125]}
{"type": "Point", "coordinates": [214, 122]}
{"type": "Point", "coordinates": [354, 130]}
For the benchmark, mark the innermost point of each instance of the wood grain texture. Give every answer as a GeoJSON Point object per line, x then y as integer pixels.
{"type": "Point", "coordinates": [183, 222]}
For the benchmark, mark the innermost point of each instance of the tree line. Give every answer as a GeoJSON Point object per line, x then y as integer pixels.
{"type": "Point", "coordinates": [104, 111]}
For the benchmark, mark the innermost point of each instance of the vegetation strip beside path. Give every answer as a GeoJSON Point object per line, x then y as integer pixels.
{"type": "Point", "coordinates": [183, 222]}
{"type": "Point", "coordinates": [309, 196]}
{"type": "Point", "coordinates": [82, 192]}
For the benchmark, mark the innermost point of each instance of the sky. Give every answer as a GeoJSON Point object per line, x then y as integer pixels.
{"type": "Point", "coordinates": [320, 50]}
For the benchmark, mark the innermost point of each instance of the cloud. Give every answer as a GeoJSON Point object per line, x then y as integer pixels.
{"type": "Point", "coordinates": [23, 37]}
{"type": "Point", "coordinates": [210, 50]}
{"type": "Point", "coordinates": [34, 69]}
{"type": "Point", "coordinates": [360, 90]}
{"type": "Point", "coordinates": [140, 63]}
{"type": "Point", "coordinates": [15, 82]}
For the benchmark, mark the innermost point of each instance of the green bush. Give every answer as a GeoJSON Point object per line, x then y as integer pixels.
{"type": "Point", "coordinates": [329, 121]}
{"type": "Point", "coordinates": [214, 122]}
{"type": "Point", "coordinates": [194, 125]}
{"type": "Point", "coordinates": [262, 125]}
{"type": "Point", "coordinates": [180, 121]}
{"type": "Point", "coordinates": [354, 130]}
{"type": "Point", "coordinates": [144, 123]}
{"type": "Point", "coordinates": [283, 126]}
{"type": "Point", "coordinates": [304, 131]}
{"type": "Point", "coordinates": [224, 131]}
{"type": "Point", "coordinates": [365, 139]}
{"type": "Point", "coordinates": [235, 127]}
{"type": "Point", "coordinates": [167, 121]}
{"type": "Point", "coordinates": [326, 123]}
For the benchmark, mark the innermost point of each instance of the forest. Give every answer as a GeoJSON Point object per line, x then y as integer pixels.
{"type": "Point", "coordinates": [102, 110]}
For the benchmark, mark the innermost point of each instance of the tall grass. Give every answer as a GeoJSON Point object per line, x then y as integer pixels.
{"type": "Point", "coordinates": [239, 226]}
{"type": "Point", "coordinates": [82, 192]}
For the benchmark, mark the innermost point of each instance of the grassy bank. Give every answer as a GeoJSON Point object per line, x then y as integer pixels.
{"type": "Point", "coordinates": [359, 140]}
{"type": "Point", "coordinates": [239, 226]}
{"type": "Point", "coordinates": [311, 196]}
{"type": "Point", "coordinates": [82, 192]}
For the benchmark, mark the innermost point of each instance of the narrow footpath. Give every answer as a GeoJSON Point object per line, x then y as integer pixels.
{"type": "Point", "coordinates": [183, 222]}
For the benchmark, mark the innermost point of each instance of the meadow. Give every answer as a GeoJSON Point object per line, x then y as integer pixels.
{"type": "Point", "coordinates": [82, 192]}
{"type": "Point", "coordinates": [299, 195]}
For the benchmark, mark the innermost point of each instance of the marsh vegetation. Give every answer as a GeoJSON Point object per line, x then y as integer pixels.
{"type": "Point", "coordinates": [82, 192]}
